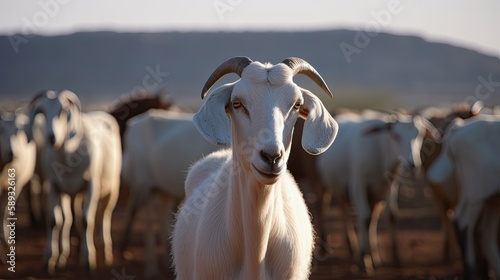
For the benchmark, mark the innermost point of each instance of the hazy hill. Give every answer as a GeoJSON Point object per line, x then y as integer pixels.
{"type": "Point", "coordinates": [104, 65]}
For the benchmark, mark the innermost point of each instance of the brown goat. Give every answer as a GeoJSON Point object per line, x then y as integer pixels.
{"type": "Point", "coordinates": [132, 105]}
{"type": "Point", "coordinates": [445, 198]}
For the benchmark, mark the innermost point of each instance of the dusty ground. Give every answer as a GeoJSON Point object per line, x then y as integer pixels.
{"type": "Point", "coordinates": [419, 240]}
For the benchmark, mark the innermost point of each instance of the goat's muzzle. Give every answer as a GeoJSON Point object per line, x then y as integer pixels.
{"type": "Point", "coordinates": [52, 139]}
{"type": "Point", "coordinates": [272, 158]}
{"type": "Point", "coordinates": [407, 169]}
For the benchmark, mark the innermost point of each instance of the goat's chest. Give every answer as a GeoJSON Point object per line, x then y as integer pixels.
{"type": "Point", "coordinates": [233, 258]}
{"type": "Point", "coordinates": [69, 171]}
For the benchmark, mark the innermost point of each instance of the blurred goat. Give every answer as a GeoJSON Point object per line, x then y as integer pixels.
{"type": "Point", "coordinates": [470, 155]}
{"type": "Point", "coordinates": [160, 147]}
{"type": "Point", "coordinates": [17, 164]}
{"type": "Point", "coordinates": [81, 155]}
{"type": "Point", "coordinates": [359, 168]}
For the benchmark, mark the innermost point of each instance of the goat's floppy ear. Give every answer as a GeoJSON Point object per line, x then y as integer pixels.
{"type": "Point", "coordinates": [212, 120]}
{"type": "Point", "coordinates": [72, 98]}
{"type": "Point", "coordinates": [320, 129]}
{"type": "Point", "coordinates": [73, 112]}
{"type": "Point", "coordinates": [33, 112]}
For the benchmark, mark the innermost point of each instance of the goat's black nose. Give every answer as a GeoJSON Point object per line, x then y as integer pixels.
{"type": "Point", "coordinates": [408, 169]}
{"type": "Point", "coordinates": [411, 166]}
{"type": "Point", "coordinates": [271, 158]}
{"type": "Point", "coordinates": [52, 138]}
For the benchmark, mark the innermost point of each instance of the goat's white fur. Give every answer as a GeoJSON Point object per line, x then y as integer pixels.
{"type": "Point", "coordinates": [160, 147]}
{"type": "Point", "coordinates": [18, 158]}
{"type": "Point", "coordinates": [244, 217]}
{"type": "Point", "coordinates": [471, 154]}
{"type": "Point", "coordinates": [83, 157]}
{"type": "Point", "coordinates": [359, 168]}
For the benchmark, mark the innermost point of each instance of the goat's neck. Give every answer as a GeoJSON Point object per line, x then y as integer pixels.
{"type": "Point", "coordinates": [74, 140]}
{"type": "Point", "coordinates": [72, 145]}
{"type": "Point", "coordinates": [251, 214]}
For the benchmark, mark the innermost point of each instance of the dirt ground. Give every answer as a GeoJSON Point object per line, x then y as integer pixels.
{"type": "Point", "coordinates": [419, 239]}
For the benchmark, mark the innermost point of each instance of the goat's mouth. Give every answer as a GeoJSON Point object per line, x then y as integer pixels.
{"type": "Point", "coordinates": [271, 175]}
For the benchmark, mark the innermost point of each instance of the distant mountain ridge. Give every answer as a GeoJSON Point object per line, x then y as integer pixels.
{"type": "Point", "coordinates": [95, 64]}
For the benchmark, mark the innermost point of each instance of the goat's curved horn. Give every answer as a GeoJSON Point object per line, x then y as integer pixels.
{"type": "Point", "coordinates": [300, 66]}
{"type": "Point", "coordinates": [71, 97]}
{"type": "Point", "coordinates": [232, 65]}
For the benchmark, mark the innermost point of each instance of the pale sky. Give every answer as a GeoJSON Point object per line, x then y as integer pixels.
{"type": "Point", "coordinates": [467, 23]}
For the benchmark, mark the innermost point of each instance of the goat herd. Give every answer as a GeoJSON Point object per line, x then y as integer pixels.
{"type": "Point", "coordinates": [240, 211]}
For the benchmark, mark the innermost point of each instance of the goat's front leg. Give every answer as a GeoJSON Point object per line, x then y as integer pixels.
{"type": "Point", "coordinates": [65, 237]}
{"type": "Point", "coordinates": [87, 251]}
{"type": "Point", "coordinates": [54, 224]}
{"type": "Point", "coordinates": [373, 236]}
{"type": "Point", "coordinates": [465, 221]}
{"type": "Point", "coordinates": [170, 205]}
{"type": "Point", "coordinates": [106, 227]}
{"type": "Point", "coordinates": [131, 209]}
{"type": "Point", "coordinates": [350, 233]}
{"type": "Point", "coordinates": [488, 230]}
{"type": "Point", "coordinates": [358, 193]}
{"type": "Point", "coordinates": [151, 259]}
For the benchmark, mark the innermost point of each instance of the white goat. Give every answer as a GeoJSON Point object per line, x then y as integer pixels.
{"type": "Point", "coordinates": [244, 216]}
{"type": "Point", "coordinates": [17, 164]}
{"type": "Point", "coordinates": [471, 154]}
{"type": "Point", "coordinates": [359, 168]}
{"type": "Point", "coordinates": [160, 147]}
{"type": "Point", "coordinates": [82, 155]}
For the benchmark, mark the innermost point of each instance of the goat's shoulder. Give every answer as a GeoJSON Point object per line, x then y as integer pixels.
{"type": "Point", "coordinates": [477, 141]}
{"type": "Point", "coordinates": [101, 120]}
{"type": "Point", "coordinates": [101, 132]}
{"type": "Point", "coordinates": [206, 170]}
{"type": "Point", "coordinates": [159, 124]}
{"type": "Point", "coordinates": [353, 137]}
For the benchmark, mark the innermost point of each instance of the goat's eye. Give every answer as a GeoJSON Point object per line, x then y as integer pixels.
{"type": "Point", "coordinates": [236, 104]}
{"type": "Point", "coordinates": [297, 105]}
